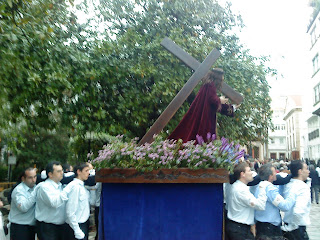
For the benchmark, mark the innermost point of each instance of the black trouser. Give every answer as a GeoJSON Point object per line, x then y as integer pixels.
{"type": "Point", "coordinates": [268, 231]}
{"type": "Point", "coordinates": [19, 232]}
{"type": "Point", "coordinates": [238, 231]}
{"type": "Point", "coordinates": [50, 231]}
{"type": "Point", "coordinates": [298, 234]}
{"type": "Point", "coordinates": [96, 220]}
{"type": "Point", "coordinates": [69, 233]}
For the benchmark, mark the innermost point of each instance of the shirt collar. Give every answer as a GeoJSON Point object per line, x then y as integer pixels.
{"type": "Point", "coordinates": [80, 182]}
{"type": "Point", "coordinates": [26, 188]}
{"type": "Point", "coordinates": [241, 183]}
{"type": "Point", "coordinates": [53, 183]}
{"type": "Point", "coordinates": [296, 180]}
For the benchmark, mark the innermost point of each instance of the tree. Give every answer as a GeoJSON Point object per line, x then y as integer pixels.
{"type": "Point", "coordinates": [62, 74]}
{"type": "Point", "coordinates": [153, 76]}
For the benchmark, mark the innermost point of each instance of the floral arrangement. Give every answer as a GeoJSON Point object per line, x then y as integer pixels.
{"type": "Point", "coordinates": [170, 154]}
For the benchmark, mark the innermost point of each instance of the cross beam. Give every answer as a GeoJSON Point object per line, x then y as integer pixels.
{"type": "Point", "coordinates": [192, 63]}
{"type": "Point", "coordinates": [176, 103]}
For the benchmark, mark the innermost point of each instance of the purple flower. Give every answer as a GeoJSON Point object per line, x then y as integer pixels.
{"type": "Point", "coordinates": [199, 139]}
{"type": "Point", "coordinates": [208, 136]}
{"type": "Point", "coordinates": [213, 137]}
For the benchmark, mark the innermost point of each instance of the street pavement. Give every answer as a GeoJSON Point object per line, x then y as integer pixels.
{"type": "Point", "coordinates": [314, 229]}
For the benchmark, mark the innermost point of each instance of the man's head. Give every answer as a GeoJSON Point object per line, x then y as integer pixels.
{"type": "Point", "coordinates": [216, 75]}
{"type": "Point", "coordinates": [243, 173]}
{"type": "Point", "coordinates": [54, 171]}
{"type": "Point", "coordinates": [299, 170]}
{"type": "Point", "coordinates": [66, 167]}
{"type": "Point", "coordinates": [29, 177]}
{"type": "Point", "coordinates": [267, 173]}
{"type": "Point", "coordinates": [82, 171]}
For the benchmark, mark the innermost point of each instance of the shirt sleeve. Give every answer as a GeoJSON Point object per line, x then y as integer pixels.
{"type": "Point", "coordinates": [71, 208]}
{"type": "Point", "coordinates": [282, 181]}
{"type": "Point", "coordinates": [227, 109]}
{"type": "Point", "coordinates": [300, 207]}
{"type": "Point", "coordinates": [22, 202]}
{"type": "Point", "coordinates": [248, 199]}
{"type": "Point", "coordinates": [277, 200]}
{"type": "Point", "coordinates": [50, 198]}
{"type": "Point", "coordinates": [67, 179]}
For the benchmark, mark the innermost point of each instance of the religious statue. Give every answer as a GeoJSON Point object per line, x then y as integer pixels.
{"type": "Point", "coordinates": [201, 117]}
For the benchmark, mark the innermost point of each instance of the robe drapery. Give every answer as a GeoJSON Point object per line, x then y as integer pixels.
{"type": "Point", "coordinates": [201, 116]}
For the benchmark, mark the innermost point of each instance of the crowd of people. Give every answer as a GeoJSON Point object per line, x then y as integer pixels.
{"type": "Point", "coordinates": [54, 205]}
{"type": "Point", "coordinates": [263, 201]}
{"type": "Point", "coordinates": [270, 200]}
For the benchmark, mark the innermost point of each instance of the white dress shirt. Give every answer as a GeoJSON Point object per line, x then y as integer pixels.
{"type": "Point", "coordinates": [241, 203]}
{"type": "Point", "coordinates": [51, 203]}
{"type": "Point", "coordinates": [275, 203]}
{"type": "Point", "coordinates": [299, 214]}
{"type": "Point", "coordinates": [78, 206]}
{"type": "Point", "coordinates": [22, 205]}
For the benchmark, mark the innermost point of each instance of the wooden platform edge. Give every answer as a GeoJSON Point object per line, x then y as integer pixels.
{"type": "Point", "coordinates": [180, 175]}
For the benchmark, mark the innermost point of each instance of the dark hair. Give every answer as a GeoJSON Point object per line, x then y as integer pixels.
{"type": "Point", "coordinates": [241, 167]}
{"type": "Point", "coordinates": [49, 167]}
{"type": "Point", "coordinates": [215, 75]}
{"type": "Point", "coordinates": [295, 165]}
{"type": "Point", "coordinates": [66, 167]}
{"type": "Point", "coordinates": [311, 167]}
{"type": "Point", "coordinates": [80, 167]}
{"type": "Point", "coordinates": [25, 170]}
{"type": "Point", "coordinates": [265, 171]}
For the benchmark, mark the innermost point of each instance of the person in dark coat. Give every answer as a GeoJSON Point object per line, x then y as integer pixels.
{"type": "Point", "coordinates": [315, 184]}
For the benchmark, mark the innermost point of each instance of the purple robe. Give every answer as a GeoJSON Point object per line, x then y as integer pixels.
{"type": "Point", "coordinates": [201, 116]}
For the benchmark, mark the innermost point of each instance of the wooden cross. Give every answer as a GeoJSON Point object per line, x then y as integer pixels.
{"type": "Point", "coordinates": [201, 69]}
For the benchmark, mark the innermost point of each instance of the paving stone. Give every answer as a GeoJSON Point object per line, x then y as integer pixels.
{"type": "Point", "coordinates": [314, 229]}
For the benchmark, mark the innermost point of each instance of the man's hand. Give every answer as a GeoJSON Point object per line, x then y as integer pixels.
{"type": "Point", "coordinates": [236, 106]}
{"type": "Point", "coordinates": [79, 234]}
{"type": "Point", "coordinates": [289, 227]}
{"type": "Point", "coordinates": [223, 100]}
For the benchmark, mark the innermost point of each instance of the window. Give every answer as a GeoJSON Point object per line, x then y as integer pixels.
{"type": "Point", "coordinates": [313, 35]}
{"type": "Point", "coordinates": [317, 94]}
{"type": "Point", "coordinates": [314, 134]}
{"type": "Point", "coordinates": [281, 140]}
{"type": "Point", "coordinates": [315, 63]}
{"type": "Point", "coordinates": [292, 122]}
{"type": "Point", "coordinates": [293, 141]}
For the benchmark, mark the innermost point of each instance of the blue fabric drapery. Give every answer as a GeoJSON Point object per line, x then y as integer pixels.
{"type": "Point", "coordinates": [137, 211]}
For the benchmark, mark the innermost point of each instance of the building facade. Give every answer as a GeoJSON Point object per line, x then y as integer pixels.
{"type": "Point", "coordinates": [295, 127]}
{"type": "Point", "coordinates": [277, 148]}
{"type": "Point", "coordinates": [313, 120]}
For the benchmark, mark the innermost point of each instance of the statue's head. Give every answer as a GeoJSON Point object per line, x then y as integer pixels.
{"type": "Point", "coordinates": [216, 75]}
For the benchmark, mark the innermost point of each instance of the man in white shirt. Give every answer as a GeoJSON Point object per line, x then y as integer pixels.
{"type": "Point", "coordinates": [78, 206]}
{"type": "Point", "coordinates": [297, 218]}
{"type": "Point", "coordinates": [241, 204]}
{"type": "Point", "coordinates": [21, 214]}
{"type": "Point", "coordinates": [268, 221]}
{"type": "Point", "coordinates": [50, 204]}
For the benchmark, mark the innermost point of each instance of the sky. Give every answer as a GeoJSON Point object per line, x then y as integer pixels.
{"type": "Point", "coordinates": [278, 28]}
